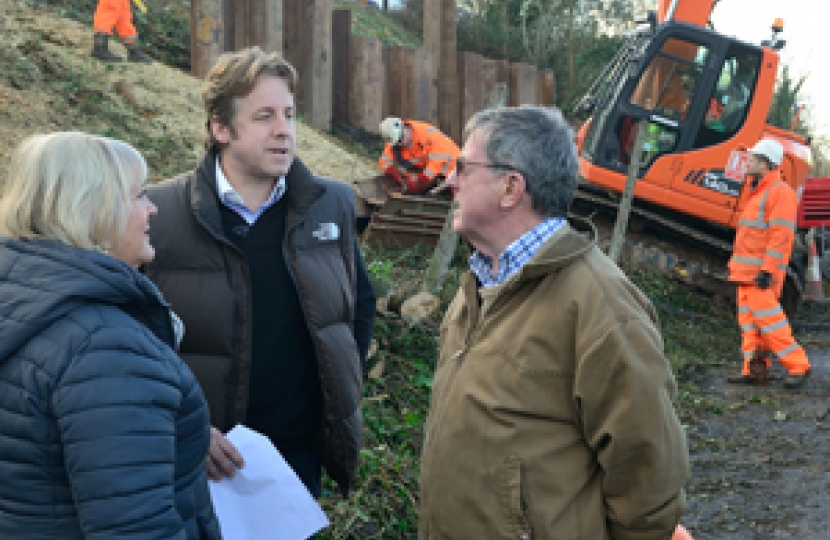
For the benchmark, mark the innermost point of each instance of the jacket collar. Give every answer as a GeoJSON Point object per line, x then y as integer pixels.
{"type": "Point", "coordinates": [767, 180]}
{"type": "Point", "coordinates": [303, 189]}
{"type": "Point", "coordinates": [204, 197]}
{"type": "Point", "coordinates": [571, 242]}
{"type": "Point", "coordinates": [57, 279]}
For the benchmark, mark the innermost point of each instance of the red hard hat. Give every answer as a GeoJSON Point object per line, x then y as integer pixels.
{"type": "Point", "coordinates": [680, 533]}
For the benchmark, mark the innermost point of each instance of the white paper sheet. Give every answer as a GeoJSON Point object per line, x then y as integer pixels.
{"type": "Point", "coordinates": [265, 500]}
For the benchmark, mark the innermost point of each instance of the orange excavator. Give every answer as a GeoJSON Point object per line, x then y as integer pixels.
{"type": "Point", "coordinates": [704, 97]}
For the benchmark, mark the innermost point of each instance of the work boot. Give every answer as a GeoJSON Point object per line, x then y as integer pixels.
{"type": "Point", "coordinates": [740, 379]}
{"type": "Point", "coordinates": [758, 368]}
{"type": "Point", "coordinates": [136, 54]}
{"type": "Point", "coordinates": [794, 382]}
{"type": "Point", "coordinates": [101, 50]}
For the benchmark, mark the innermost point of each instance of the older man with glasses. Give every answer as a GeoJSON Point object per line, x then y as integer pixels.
{"type": "Point", "coordinates": [552, 407]}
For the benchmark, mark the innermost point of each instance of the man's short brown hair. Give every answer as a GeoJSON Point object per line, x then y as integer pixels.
{"type": "Point", "coordinates": [234, 76]}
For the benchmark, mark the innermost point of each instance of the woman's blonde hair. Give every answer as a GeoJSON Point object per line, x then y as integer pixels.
{"type": "Point", "coordinates": [71, 187]}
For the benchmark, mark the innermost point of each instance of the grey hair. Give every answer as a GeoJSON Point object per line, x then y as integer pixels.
{"type": "Point", "coordinates": [71, 187]}
{"type": "Point", "coordinates": [539, 143]}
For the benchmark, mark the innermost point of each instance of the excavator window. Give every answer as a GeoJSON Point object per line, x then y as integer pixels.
{"type": "Point", "coordinates": [669, 82]}
{"type": "Point", "coordinates": [671, 85]}
{"type": "Point", "coordinates": [666, 89]}
{"type": "Point", "coordinates": [731, 97]}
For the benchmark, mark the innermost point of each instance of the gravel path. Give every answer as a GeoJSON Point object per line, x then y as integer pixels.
{"type": "Point", "coordinates": [761, 455]}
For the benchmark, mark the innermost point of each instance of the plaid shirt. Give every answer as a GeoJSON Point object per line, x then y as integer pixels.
{"type": "Point", "coordinates": [516, 254]}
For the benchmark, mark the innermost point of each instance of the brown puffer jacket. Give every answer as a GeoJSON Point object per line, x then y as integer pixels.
{"type": "Point", "coordinates": [552, 411]}
{"type": "Point", "coordinates": [205, 279]}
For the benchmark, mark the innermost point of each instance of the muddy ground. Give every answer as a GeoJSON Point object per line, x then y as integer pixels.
{"type": "Point", "coordinates": [760, 456]}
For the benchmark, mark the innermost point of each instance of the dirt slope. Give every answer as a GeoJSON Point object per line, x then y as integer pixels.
{"type": "Point", "coordinates": [48, 82]}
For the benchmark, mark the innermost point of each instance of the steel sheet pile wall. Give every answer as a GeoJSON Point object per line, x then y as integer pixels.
{"type": "Point", "coordinates": [357, 80]}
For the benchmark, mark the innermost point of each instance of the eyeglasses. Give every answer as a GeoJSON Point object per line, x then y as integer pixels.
{"type": "Point", "coordinates": [462, 164]}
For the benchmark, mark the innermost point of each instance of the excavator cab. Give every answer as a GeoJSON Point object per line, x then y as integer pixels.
{"type": "Point", "coordinates": [701, 95]}
{"type": "Point", "coordinates": [693, 87]}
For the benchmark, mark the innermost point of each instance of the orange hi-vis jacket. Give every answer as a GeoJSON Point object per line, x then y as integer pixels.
{"type": "Point", "coordinates": [430, 155]}
{"type": "Point", "coordinates": [116, 14]}
{"type": "Point", "coordinates": [715, 111]}
{"type": "Point", "coordinates": [766, 231]}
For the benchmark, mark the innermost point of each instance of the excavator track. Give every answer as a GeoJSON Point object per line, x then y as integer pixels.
{"type": "Point", "coordinates": [585, 195]}
{"type": "Point", "coordinates": [673, 248]}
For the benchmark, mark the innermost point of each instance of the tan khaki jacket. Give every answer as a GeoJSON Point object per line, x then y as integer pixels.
{"type": "Point", "coordinates": [552, 413]}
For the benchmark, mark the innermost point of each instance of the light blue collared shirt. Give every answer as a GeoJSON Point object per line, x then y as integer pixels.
{"type": "Point", "coordinates": [233, 200]}
{"type": "Point", "coordinates": [515, 255]}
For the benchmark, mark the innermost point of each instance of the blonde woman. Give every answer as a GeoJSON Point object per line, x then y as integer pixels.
{"type": "Point", "coordinates": [103, 429]}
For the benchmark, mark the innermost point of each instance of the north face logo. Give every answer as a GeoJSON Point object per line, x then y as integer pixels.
{"type": "Point", "coordinates": [327, 232]}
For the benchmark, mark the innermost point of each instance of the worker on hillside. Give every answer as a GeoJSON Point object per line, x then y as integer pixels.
{"type": "Point", "coordinates": [417, 155]}
{"type": "Point", "coordinates": [116, 14]}
{"type": "Point", "coordinates": [763, 243]}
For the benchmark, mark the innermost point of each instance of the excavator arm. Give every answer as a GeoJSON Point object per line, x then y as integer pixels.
{"type": "Point", "coordinates": [695, 12]}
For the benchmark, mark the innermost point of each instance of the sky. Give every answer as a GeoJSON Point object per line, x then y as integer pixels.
{"type": "Point", "coordinates": [807, 36]}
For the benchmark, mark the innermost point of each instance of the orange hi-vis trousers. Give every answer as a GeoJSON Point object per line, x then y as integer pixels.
{"type": "Point", "coordinates": [764, 326]}
{"type": "Point", "coordinates": [114, 14]}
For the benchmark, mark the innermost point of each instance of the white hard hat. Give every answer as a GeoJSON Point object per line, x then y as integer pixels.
{"type": "Point", "coordinates": [770, 149]}
{"type": "Point", "coordinates": [391, 129]}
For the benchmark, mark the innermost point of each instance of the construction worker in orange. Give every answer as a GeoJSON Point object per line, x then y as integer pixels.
{"type": "Point", "coordinates": [417, 155]}
{"type": "Point", "coordinates": [116, 14]}
{"type": "Point", "coordinates": [763, 243]}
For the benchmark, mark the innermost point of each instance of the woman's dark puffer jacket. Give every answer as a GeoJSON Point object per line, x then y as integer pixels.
{"type": "Point", "coordinates": [103, 429]}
